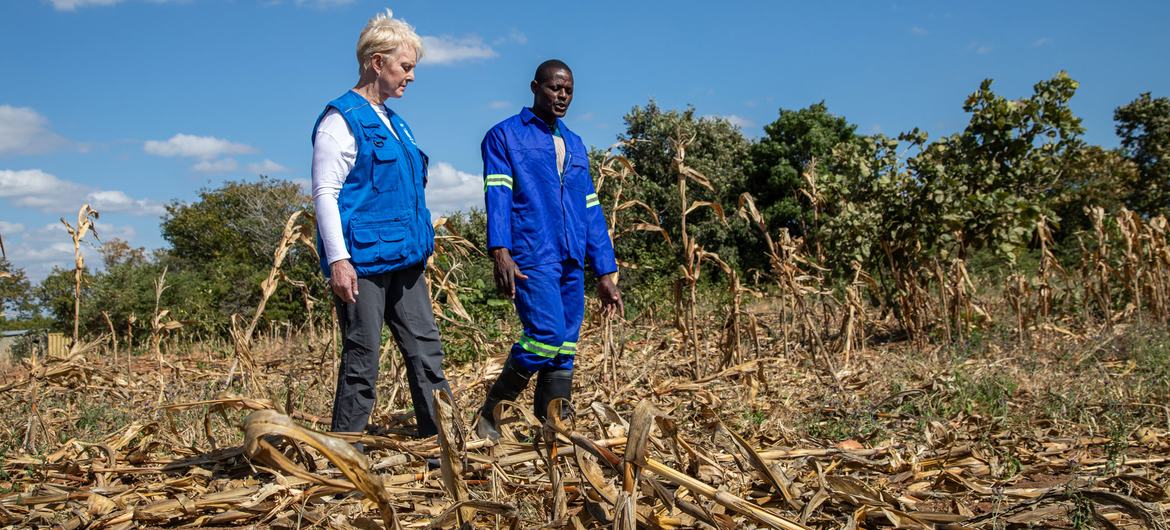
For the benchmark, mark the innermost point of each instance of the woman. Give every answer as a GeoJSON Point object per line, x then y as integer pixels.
{"type": "Point", "coordinates": [374, 231]}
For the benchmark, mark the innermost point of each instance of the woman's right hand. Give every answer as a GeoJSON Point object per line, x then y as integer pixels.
{"type": "Point", "coordinates": [343, 280]}
{"type": "Point", "coordinates": [506, 272]}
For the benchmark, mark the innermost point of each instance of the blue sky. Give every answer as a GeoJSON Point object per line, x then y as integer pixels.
{"type": "Point", "coordinates": [130, 104]}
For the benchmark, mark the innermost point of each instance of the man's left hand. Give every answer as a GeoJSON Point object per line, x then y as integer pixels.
{"type": "Point", "coordinates": [611, 296]}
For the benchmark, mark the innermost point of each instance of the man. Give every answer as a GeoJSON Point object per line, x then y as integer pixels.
{"type": "Point", "coordinates": [375, 230]}
{"type": "Point", "coordinates": [544, 222]}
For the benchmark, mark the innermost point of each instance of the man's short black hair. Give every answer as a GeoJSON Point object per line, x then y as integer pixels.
{"type": "Point", "coordinates": [549, 68]}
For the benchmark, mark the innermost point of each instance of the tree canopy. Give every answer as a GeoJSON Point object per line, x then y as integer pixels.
{"type": "Point", "coordinates": [1144, 127]}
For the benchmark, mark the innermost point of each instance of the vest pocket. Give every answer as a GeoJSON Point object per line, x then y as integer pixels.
{"type": "Point", "coordinates": [364, 247]}
{"type": "Point", "coordinates": [383, 173]}
{"type": "Point", "coordinates": [393, 246]}
{"type": "Point", "coordinates": [378, 241]}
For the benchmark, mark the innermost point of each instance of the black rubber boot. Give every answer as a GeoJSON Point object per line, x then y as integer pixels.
{"type": "Point", "coordinates": [550, 385]}
{"type": "Point", "coordinates": [511, 382]}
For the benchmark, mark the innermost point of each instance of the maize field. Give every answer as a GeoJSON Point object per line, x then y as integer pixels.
{"type": "Point", "coordinates": [782, 404]}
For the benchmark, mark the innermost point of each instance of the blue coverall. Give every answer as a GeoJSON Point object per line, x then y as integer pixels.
{"type": "Point", "coordinates": [552, 224]}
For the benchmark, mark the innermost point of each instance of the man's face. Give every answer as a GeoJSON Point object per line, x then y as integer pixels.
{"type": "Point", "coordinates": [553, 96]}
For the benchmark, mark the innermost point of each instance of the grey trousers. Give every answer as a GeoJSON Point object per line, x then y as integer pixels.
{"type": "Point", "coordinates": [399, 299]}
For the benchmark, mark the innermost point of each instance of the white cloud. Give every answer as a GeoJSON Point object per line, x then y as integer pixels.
{"type": "Point", "coordinates": [27, 184]}
{"type": "Point", "coordinates": [305, 184]}
{"type": "Point", "coordinates": [267, 167]}
{"type": "Point", "coordinates": [58, 251]}
{"type": "Point", "coordinates": [124, 232]}
{"type": "Point", "coordinates": [448, 50]}
{"type": "Point", "coordinates": [34, 188]}
{"type": "Point", "coordinates": [204, 147]}
{"type": "Point", "coordinates": [222, 165]}
{"type": "Point", "coordinates": [38, 261]}
{"type": "Point", "coordinates": [118, 201]}
{"type": "Point", "coordinates": [50, 246]}
{"type": "Point", "coordinates": [919, 31]}
{"type": "Point", "coordinates": [450, 190]}
{"type": "Point", "coordinates": [980, 48]}
{"type": "Point", "coordinates": [514, 36]}
{"type": "Point", "coordinates": [324, 3]}
{"type": "Point", "coordinates": [24, 131]}
{"type": "Point", "coordinates": [10, 228]}
{"type": "Point", "coordinates": [1042, 41]}
{"type": "Point", "coordinates": [736, 120]}
{"type": "Point", "coordinates": [499, 104]}
{"type": "Point", "coordinates": [72, 5]}
{"type": "Point", "coordinates": [55, 232]}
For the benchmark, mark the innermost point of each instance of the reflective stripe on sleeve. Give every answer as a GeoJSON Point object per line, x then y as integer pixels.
{"type": "Point", "coordinates": [497, 180]}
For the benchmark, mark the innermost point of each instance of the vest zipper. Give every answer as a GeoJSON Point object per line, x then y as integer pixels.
{"type": "Point", "coordinates": [409, 159]}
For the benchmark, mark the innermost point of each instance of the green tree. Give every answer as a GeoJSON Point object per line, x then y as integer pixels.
{"type": "Point", "coordinates": [899, 207]}
{"type": "Point", "coordinates": [1144, 127]}
{"type": "Point", "coordinates": [868, 211]}
{"type": "Point", "coordinates": [124, 288]}
{"type": "Point", "coordinates": [221, 250]}
{"type": "Point", "coordinates": [790, 144]}
{"type": "Point", "coordinates": [1091, 176]}
{"type": "Point", "coordinates": [719, 150]}
{"type": "Point", "coordinates": [988, 185]}
{"type": "Point", "coordinates": [16, 296]}
{"type": "Point", "coordinates": [55, 296]}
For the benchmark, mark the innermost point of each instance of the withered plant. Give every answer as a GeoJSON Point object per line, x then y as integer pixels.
{"type": "Point", "coordinates": [113, 333]}
{"type": "Point", "coordinates": [452, 248]}
{"type": "Point", "coordinates": [160, 323]}
{"type": "Point", "coordinates": [295, 231]}
{"type": "Point", "coordinates": [799, 282]}
{"type": "Point", "coordinates": [686, 287]}
{"type": "Point", "coordinates": [85, 220]}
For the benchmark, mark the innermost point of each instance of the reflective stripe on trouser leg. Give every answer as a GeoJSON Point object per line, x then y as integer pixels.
{"type": "Point", "coordinates": [538, 304]}
{"type": "Point", "coordinates": [550, 303]}
{"type": "Point", "coordinates": [572, 290]}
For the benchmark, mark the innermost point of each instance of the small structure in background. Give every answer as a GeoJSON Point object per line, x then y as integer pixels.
{"type": "Point", "coordinates": [56, 345]}
{"type": "Point", "coordinates": [19, 343]}
{"type": "Point", "coordinates": [8, 344]}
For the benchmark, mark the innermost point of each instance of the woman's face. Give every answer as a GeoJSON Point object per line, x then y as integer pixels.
{"type": "Point", "coordinates": [395, 70]}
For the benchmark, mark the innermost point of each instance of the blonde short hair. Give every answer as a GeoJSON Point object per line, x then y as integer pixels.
{"type": "Point", "coordinates": [384, 34]}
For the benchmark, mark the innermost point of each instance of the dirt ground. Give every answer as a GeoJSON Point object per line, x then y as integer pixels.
{"type": "Point", "coordinates": [1060, 429]}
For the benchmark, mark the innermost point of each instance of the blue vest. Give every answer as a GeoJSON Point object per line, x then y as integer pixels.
{"type": "Point", "coordinates": [384, 215]}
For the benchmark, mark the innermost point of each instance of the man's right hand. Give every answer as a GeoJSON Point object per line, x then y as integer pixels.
{"type": "Point", "coordinates": [343, 280]}
{"type": "Point", "coordinates": [506, 272]}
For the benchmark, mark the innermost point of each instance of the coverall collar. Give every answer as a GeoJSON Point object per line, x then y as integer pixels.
{"type": "Point", "coordinates": [529, 117]}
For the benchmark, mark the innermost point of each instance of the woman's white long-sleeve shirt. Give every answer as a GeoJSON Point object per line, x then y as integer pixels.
{"type": "Point", "coordinates": [334, 153]}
